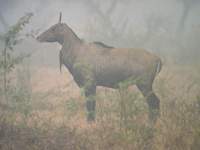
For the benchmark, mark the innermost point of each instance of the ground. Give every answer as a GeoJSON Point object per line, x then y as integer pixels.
{"type": "Point", "coordinates": [57, 112]}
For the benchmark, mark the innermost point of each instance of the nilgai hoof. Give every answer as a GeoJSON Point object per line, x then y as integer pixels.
{"type": "Point", "coordinates": [154, 115]}
{"type": "Point", "coordinates": [91, 117]}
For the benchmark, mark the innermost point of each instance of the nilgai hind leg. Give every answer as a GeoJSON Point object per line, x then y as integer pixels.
{"type": "Point", "coordinates": [152, 100]}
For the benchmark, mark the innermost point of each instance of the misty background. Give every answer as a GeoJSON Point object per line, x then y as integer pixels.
{"type": "Point", "coordinates": [41, 108]}
{"type": "Point", "coordinates": [171, 29]}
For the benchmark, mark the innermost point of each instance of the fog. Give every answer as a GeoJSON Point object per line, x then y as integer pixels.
{"type": "Point", "coordinates": [151, 100]}
{"type": "Point", "coordinates": [169, 28]}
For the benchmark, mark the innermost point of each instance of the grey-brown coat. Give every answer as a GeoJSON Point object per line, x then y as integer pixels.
{"type": "Point", "coordinates": [95, 64]}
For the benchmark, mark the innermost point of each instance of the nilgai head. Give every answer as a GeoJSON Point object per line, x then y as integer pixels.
{"type": "Point", "coordinates": [53, 34]}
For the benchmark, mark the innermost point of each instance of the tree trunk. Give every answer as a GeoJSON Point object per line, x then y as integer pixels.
{"type": "Point", "coordinates": [3, 22]}
{"type": "Point", "coordinates": [184, 17]}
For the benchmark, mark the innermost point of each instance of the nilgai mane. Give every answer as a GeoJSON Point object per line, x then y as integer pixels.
{"type": "Point", "coordinates": [95, 64]}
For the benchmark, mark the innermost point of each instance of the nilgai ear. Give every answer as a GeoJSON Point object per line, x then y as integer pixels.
{"type": "Point", "coordinates": [60, 17]}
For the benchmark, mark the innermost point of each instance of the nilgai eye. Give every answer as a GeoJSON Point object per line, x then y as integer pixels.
{"type": "Point", "coordinates": [53, 29]}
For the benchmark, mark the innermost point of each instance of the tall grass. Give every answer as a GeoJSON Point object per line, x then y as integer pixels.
{"type": "Point", "coordinates": [54, 120]}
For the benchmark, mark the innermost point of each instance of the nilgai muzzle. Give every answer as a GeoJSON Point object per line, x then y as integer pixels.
{"type": "Point", "coordinates": [95, 64]}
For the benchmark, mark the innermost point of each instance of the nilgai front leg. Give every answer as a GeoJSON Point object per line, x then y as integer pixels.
{"type": "Point", "coordinates": [85, 79]}
{"type": "Point", "coordinates": [90, 92]}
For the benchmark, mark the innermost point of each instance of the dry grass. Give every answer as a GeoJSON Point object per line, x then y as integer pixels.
{"type": "Point", "coordinates": [56, 119]}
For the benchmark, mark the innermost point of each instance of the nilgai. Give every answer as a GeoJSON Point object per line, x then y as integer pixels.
{"type": "Point", "coordinates": [95, 64]}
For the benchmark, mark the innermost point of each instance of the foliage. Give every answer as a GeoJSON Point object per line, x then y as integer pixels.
{"type": "Point", "coordinates": [15, 96]}
{"type": "Point", "coordinates": [8, 58]}
{"type": "Point", "coordinates": [71, 107]}
{"type": "Point", "coordinates": [11, 38]}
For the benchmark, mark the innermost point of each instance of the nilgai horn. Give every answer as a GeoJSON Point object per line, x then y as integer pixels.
{"type": "Point", "coordinates": [60, 17]}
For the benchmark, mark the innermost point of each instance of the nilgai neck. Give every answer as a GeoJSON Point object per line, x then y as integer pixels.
{"type": "Point", "coordinates": [68, 38]}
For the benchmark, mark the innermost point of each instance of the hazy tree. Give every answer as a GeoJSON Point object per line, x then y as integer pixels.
{"type": "Point", "coordinates": [187, 6]}
{"type": "Point", "coordinates": [3, 21]}
{"type": "Point", "coordinates": [10, 39]}
{"type": "Point", "coordinates": [105, 18]}
{"type": "Point", "coordinates": [155, 24]}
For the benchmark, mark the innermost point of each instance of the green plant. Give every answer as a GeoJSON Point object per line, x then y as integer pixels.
{"type": "Point", "coordinates": [8, 58]}
{"type": "Point", "coordinates": [71, 107]}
